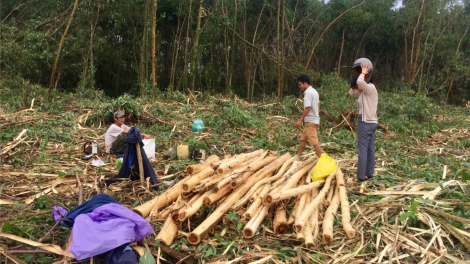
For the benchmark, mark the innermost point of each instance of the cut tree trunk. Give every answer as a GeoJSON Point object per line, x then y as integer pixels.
{"type": "Point", "coordinates": [252, 169]}
{"type": "Point", "coordinates": [280, 220]}
{"type": "Point", "coordinates": [192, 208]}
{"type": "Point", "coordinates": [301, 235]}
{"type": "Point", "coordinates": [329, 218]}
{"type": "Point", "coordinates": [255, 205]}
{"type": "Point", "coordinates": [210, 161]}
{"type": "Point", "coordinates": [238, 160]}
{"type": "Point", "coordinates": [251, 227]}
{"type": "Point", "coordinates": [195, 236]}
{"type": "Point", "coordinates": [162, 200]}
{"type": "Point", "coordinates": [291, 219]}
{"type": "Point", "coordinates": [189, 185]}
{"type": "Point", "coordinates": [282, 195]}
{"type": "Point", "coordinates": [345, 210]}
{"type": "Point", "coordinates": [330, 194]}
{"type": "Point", "coordinates": [168, 232]}
{"type": "Point", "coordinates": [281, 172]}
{"type": "Point", "coordinates": [215, 196]}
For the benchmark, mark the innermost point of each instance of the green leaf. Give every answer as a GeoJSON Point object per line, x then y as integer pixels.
{"type": "Point", "coordinates": [414, 205]}
{"type": "Point", "coordinates": [239, 225]}
{"type": "Point", "coordinates": [147, 258]}
{"type": "Point", "coordinates": [6, 227]}
{"type": "Point", "coordinates": [61, 174]}
{"type": "Point", "coordinates": [404, 216]}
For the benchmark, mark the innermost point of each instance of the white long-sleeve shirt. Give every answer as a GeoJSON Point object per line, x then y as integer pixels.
{"type": "Point", "coordinates": [367, 100]}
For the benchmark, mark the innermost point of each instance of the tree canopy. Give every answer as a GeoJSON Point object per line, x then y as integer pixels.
{"type": "Point", "coordinates": [247, 47]}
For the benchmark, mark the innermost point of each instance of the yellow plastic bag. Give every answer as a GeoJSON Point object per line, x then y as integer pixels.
{"type": "Point", "coordinates": [324, 167]}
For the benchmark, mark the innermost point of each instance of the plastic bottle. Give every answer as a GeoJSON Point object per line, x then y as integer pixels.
{"type": "Point", "coordinates": [182, 152]}
{"type": "Point", "coordinates": [170, 154]}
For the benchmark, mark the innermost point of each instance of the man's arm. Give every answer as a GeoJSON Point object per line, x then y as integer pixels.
{"type": "Point", "coordinates": [125, 131]}
{"type": "Point", "coordinates": [304, 114]}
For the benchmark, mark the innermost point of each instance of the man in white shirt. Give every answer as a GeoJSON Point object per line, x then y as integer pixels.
{"type": "Point", "coordinates": [310, 116]}
{"type": "Point", "coordinates": [117, 132]}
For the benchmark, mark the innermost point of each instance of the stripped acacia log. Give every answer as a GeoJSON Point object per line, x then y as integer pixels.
{"type": "Point", "coordinates": [330, 194]}
{"type": "Point", "coordinates": [241, 158]}
{"type": "Point", "coordinates": [281, 171]}
{"type": "Point", "coordinates": [250, 229]}
{"type": "Point", "coordinates": [296, 175]}
{"type": "Point", "coordinates": [200, 231]}
{"type": "Point", "coordinates": [168, 232]}
{"type": "Point", "coordinates": [301, 235]}
{"type": "Point", "coordinates": [291, 219]}
{"type": "Point", "coordinates": [162, 200]}
{"type": "Point", "coordinates": [345, 210]}
{"type": "Point", "coordinates": [215, 196]}
{"type": "Point", "coordinates": [255, 205]}
{"type": "Point", "coordinates": [256, 193]}
{"type": "Point", "coordinates": [254, 167]}
{"type": "Point", "coordinates": [210, 162]}
{"type": "Point", "coordinates": [282, 195]}
{"type": "Point", "coordinates": [244, 171]}
{"type": "Point", "coordinates": [280, 220]}
{"type": "Point", "coordinates": [193, 207]}
{"type": "Point", "coordinates": [308, 210]}
{"type": "Point", "coordinates": [195, 179]}
{"type": "Point", "coordinates": [329, 218]}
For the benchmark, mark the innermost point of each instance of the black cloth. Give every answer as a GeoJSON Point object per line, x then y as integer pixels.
{"type": "Point", "coordinates": [120, 255]}
{"type": "Point", "coordinates": [130, 165]}
{"type": "Point", "coordinates": [86, 207]}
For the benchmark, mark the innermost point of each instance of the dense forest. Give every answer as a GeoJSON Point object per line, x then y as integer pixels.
{"type": "Point", "coordinates": [247, 47]}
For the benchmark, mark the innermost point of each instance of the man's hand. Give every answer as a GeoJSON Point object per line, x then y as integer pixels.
{"type": "Point", "coordinates": [147, 136]}
{"type": "Point", "coordinates": [298, 123]}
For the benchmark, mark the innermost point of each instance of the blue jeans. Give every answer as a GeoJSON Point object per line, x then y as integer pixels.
{"type": "Point", "coordinates": [365, 149]}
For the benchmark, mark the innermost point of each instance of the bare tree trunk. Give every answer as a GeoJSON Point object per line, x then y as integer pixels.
{"type": "Point", "coordinates": [185, 72]}
{"type": "Point", "coordinates": [143, 51]}
{"type": "Point", "coordinates": [413, 39]}
{"type": "Point", "coordinates": [175, 53]}
{"type": "Point", "coordinates": [51, 82]}
{"type": "Point", "coordinates": [232, 47]}
{"type": "Point", "coordinates": [341, 54]}
{"type": "Point", "coordinates": [195, 60]}
{"type": "Point", "coordinates": [93, 23]}
{"type": "Point", "coordinates": [278, 50]}
{"type": "Point", "coordinates": [281, 87]}
{"type": "Point", "coordinates": [154, 28]}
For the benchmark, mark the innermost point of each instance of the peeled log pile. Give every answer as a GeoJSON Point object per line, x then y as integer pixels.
{"type": "Point", "coordinates": [210, 162]}
{"type": "Point", "coordinates": [257, 186]}
{"type": "Point", "coordinates": [195, 236]}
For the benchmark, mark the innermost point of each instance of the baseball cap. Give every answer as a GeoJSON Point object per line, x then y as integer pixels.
{"type": "Point", "coordinates": [365, 61]}
{"type": "Point", "coordinates": [118, 114]}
